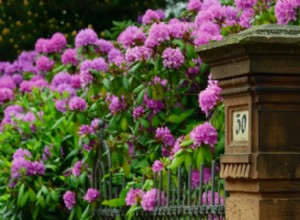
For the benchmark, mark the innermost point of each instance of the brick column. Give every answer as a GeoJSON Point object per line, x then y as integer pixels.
{"type": "Point", "coordinates": [259, 72]}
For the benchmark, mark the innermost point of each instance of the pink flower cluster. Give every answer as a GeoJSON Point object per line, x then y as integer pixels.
{"type": "Point", "coordinates": [91, 195]}
{"type": "Point", "coordinates": [21, 165]}
{"type": "Point", "coordinates": [157, 166]}
{"type": "Point", "coordinates": [164, 134]}
{"type": "Point", "coordinates": [286, 11]}
{"type": "Point", "coordinates": [150, 199]}
{"type": "Point", "coordinates": [116, 104]}
{"type": "Point", "coordinates": [55, 44]}
{"type": "Point", "coordinates": [204, 134]}
{"type": "Point", "coordinates": [134, 196]}
{"type": "Point", "coordinates": [86, 37]}
{"type": "Point", "coordinates": [209, 97]}
{"type": "Point", "coordinates": [172, 58]}
{"type": "Point", "coordinates": [132, 36]}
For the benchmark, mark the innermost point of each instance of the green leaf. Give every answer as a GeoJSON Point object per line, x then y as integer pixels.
{"type": "Point", "coordinates": [186, 143]}
{"type": "Point", "coordinates": [131, 212]}
{"type": "Point", "coordinates": [125, 83]}
{"type": "Point", "coordinates": [58, 122]}
{"type": "Point", "coordinates": [113, 203]}
{"type": "Point", "coordinates": [78, 212]}
{"type": "Point", "coordinates": [20, 194]}
{"type": "Point", "coordinates": [140, 97]}
{"type": "Point", "coordinates": [200, 158]}
{"type": "Point", "coordinates": [85, 213]}
{"type": "Point", "coordinates": [72, 215]}
{"type": "Point", "coordinates": [24, 199]}
{"type": "Point", "coordinates": [177, 161]}
{"type": "Point", "coordinates": [54, 196]}
{"type": "Point", "coordinates": [106, 84]}
{"type": "Point", "coordinates": [188, 160]}
{"type": "Point", "coordinates": [144, 123]}
{"type": "Point", "coordinates": [177, 119]}
{"type": "Point", "coordinates": [59, 69]}
{"type": "Point", "coordinates": [35, 213]}
{"type": "Point", "coordinates": [41, 201]}
{"type": "Point", "coordinates": [32, 195]}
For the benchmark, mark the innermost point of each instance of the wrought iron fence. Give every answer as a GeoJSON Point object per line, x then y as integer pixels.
{"type": "Point", "coordinates": [180, 200]}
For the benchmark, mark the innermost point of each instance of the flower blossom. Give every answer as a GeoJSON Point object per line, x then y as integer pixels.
{"type": "Point", "coordinates": [209, 97]}
{"type": "Point", "coordinates": [172, 58]}
{"type": "Point", "coordinates": [149, 200]}
{"type": "Point", "coordinates": [157, 166]}
{"type": "Point", "coordinates": [134, 196]}
{"type": "Point", "coordinates": [204, 134]}
{"type": "Point", "coordinates": [77, 103]}
{"type": "Point", "coordinates": [85, 37]}
{"type": "Point", "coordinates": [164, 134]}
{"type": "Point", "coordinates": [91, 195]}
{"type": "Point", "coordinates": [69, 199]}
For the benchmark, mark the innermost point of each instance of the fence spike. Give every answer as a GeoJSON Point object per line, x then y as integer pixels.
{"type": "Point", "coordinates": [201, 184]}
{"type": "Point", "coordinates": [169, 187]}
{"type": "Point", "coordinates": [179, 185]}
{"type": "Point", "coordinates": [189, 185]}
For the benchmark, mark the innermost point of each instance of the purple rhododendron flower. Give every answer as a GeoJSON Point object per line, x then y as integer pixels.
{"type": "Point", "coordinates": [61, 105]}
{"type": "Point", "coordinates": [155, 105]}
{"type": "Point", "coordinates": [17, 78]}
{"type": "Point", "coordinates": [69, 57]}
{"type": "Point", "coordinates": [177, 143]}
{"type": "Point", "coordinates": [85, 37]}
{"type": "Point", "coordinates": [286, 11]}
{"type": "Point", "coordinates": [69, 199]}
{"type": "Point", "coordinates": [6, 95]}
{"type": "Point", "coordinates": [204, 134]}
{"type": "Point", "coordinates": [77, 104]}
{"type": "Point", "coordinates": [245, 4]}
{"type": "Point", "coordinates": [61, 77]}
{"type": "Point", "coordinates": [209, 97]}
{"type": "Point", "coordinates": [196, 177]}
{"type": "Point", "coordinates": [158, 33]}
{"type": "Point", "coordinates": [75, 81]}
{"type": "Point", "coordinates": [206, 198]}
{"type": "Point", "coordinates": [138, 112]}
{"type": "Point", "coordinates": [157, 166]}
{"type": "Point", "coordinates": [103, 46]}
{"type": "Point", "coordinates": [194, 5]}
{"type": "Point", "coordinates": [138, 53]}
{"type": "Point", "coordinates": [7, 82]}
{"type": "Point", "coordinates": [164, 135]}
{"type": "Point", "coordinates": [132, 36]}
{"type": "Point", "coordinates": [44, 64]}
{"type": "Point", "coordinates": [95, 124]}
{"type": "Point", "coordinates": [21, 153]}
{"type": "Point", "coordinates": [150, 16]}
{"type": "Point", "coordinates": [85, 130]}
{"type": "Point", "coordinates": [115, 103]}
{"type": "Point", "coordinates": [246, 17]}
{"type": "Point", "coordinates": [149, 200]}
{"type": "Point", "coordinates": [134, 196]}
{"type": "Point", "coordinates": [12, 110]}
{"type": "Point", "coordinates": [113, 54]}
{"type": "Point", "coordinates": [172, 58]}
{"type": "Point", "coordinates": [91, 195]}
{"type": "Point", "coordinates": [77, 168]}
{"type": "Point", "coordinates": [58, 42]}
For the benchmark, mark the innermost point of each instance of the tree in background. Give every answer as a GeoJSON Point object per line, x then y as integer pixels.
{"type": "Point", "coordinates": [22, 23]}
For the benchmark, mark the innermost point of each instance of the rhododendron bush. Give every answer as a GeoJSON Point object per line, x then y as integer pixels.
{"type": "Point", "coordinates": [160, 106]}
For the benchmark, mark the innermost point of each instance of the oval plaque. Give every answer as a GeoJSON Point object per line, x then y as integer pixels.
{"type": "Point", "coordinates": [240, 121]}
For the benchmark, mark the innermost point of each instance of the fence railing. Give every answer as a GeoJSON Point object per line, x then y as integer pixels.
{"type": "Point", "coordinates": [180, 200]}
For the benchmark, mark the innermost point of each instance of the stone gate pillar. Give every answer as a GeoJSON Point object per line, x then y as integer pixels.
{"type": "Point", "coordinates": [259, 72]}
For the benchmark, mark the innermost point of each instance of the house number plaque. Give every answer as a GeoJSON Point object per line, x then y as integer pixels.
{"type": "Point", "coordinates": [240, 120]}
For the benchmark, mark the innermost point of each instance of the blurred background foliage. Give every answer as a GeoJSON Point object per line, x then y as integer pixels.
{"type": "Point", "coordinates": [22, 22]}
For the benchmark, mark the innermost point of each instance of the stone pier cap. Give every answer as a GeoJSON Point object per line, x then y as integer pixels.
{"type": "Point", "coordinates": [263, 49]}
